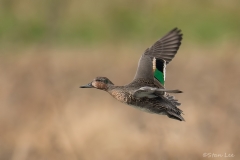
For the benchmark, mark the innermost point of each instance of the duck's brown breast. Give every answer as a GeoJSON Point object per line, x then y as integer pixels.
{"type": "Point", "coordinates": [120, 95]}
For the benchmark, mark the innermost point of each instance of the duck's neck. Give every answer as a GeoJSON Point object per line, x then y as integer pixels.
{"type": "Point", "coordinates": [110, 87]}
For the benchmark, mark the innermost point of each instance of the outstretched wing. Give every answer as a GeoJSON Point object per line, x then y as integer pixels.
{"type": "Point", "coordinates": [165, 49]}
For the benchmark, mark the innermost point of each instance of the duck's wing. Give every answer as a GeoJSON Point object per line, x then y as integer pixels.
{"type": "Point", "coordinates": [153, 92]}
{"type": "Point", "coordinates": [164, 49]}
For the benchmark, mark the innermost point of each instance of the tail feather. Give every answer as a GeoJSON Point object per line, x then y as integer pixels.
{"type": "Point", "coordinates": [174, 101]}
{"type": "Point", "coordinates": [175, 116]}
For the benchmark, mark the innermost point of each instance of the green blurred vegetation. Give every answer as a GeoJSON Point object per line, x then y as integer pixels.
{"type": "Point", "coordinates": [88, 22]}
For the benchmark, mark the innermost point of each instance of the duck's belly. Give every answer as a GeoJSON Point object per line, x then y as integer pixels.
{"type": "Point", "coordinates": [146, 109]}
{"type": "Point", "coordinates": [128, 99]}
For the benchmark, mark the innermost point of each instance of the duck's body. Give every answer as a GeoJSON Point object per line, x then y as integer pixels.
{"type": "Point", "coordinates": [146, 92]}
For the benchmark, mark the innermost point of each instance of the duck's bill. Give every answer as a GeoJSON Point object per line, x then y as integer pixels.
{"type": "Point", "coordinates": [87, 86]}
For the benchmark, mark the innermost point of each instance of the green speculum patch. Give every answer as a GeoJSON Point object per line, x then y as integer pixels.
{"type": "Point", "coordinates": [159, 76]}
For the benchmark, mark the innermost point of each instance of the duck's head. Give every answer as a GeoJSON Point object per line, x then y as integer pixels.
{"type": "Point", "coordinates": [99, 83]}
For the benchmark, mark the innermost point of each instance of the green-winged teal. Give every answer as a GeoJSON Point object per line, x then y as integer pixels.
{"type": "Point", "coordinates": [146, 92]}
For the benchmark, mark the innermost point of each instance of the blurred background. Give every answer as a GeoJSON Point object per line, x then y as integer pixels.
{"type": "Point", "coordinates": [48, 48]}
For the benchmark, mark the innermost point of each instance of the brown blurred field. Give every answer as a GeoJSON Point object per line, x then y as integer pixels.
{"type": "Point", "coordinates": [48, 48]}
{"type": "Point", "coordinates": [44, 115]}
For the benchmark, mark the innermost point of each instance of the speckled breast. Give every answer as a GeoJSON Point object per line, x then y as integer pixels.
{"type": "Point", "coordinates": [121, 96]}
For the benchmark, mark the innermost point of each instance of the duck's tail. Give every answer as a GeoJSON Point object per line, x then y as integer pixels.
{"type": "Point", "coordinates": [175, 116]}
